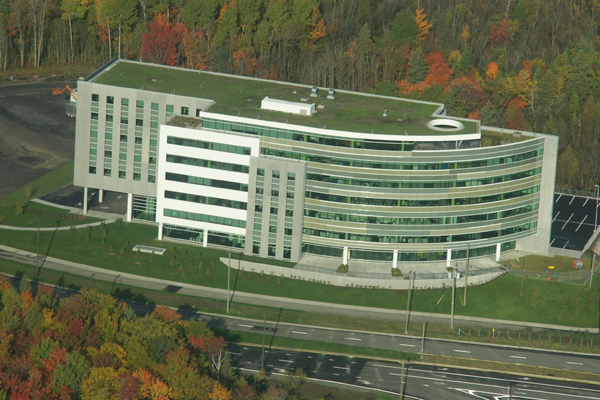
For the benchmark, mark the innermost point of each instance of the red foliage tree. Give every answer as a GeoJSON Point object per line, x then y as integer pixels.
{"type": "Point", "coordinates": [439, 71]}
{"type": "Point", "coordinates": [498, 32]}
{"type": "Point", "coordinates": [159, 44]}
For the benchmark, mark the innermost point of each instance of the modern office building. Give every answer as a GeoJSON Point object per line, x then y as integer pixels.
{"type": "Point", "coordinates": [280, 170]}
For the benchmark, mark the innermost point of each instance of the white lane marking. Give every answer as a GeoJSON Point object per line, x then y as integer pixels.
{"type": "Point", "coordinates": [288, 361]}
{"type": "Point", "coordinates": [407, 345]}
{"type": "Point", "coordinates": [246, 326]}
{"type": "Point", "coordinates": [522, 358]}
{"type": "Point", "coordinates": [462, 351]}
{"type": "Point", "coordinates": [248, 362]}
{"type": "Point", "coordinates": [300, 333]}
{"type": "Point", "coordinates": [231, 352]}
{"type": "Point", "coordinates": [346, 368]}
{"type": "Point", "coordinates": [336, 374]}
{"type": "Point", "coordinates": [574, 363]}
{"type": "Point", "coordinates": [386, 366]}
{"type": "Point", "coordinates": [310, 356]}
{"type": "Point", "coordinates": [425, 385]}
{"type": "Point", "coordinates": [393, 373]}
{"type": "Point", "coordinates": [331, 359]}
{"type": "Point", "coordinates": [352, 338]}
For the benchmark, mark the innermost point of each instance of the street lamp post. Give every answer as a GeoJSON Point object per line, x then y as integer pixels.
{"type": "Point", "coordinates": [408, 303]}
{"type": "Point", "coordinates": [91, 280]}
{"type": "Point", "coordinates": [466, 277]}
{"type": "Point", "coordinates": [228, 277]}
{"type": "Point", "coordinates": [37, 255]}
{"type": "Point", "coordinates": [596, 215]}
{"type": "Point", "coordinates": [262, 363]}
{"type": "Point", "coordinates": [453, 289]}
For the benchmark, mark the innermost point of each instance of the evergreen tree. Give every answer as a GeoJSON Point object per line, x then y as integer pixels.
{"type": "Point", "coordinates": [404, 27]}
{"type": "Point", "coordinates": [417, 67]}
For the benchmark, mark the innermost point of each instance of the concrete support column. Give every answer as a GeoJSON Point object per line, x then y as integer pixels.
{"type": "Point", "coordinates": [448, 257]}
{"type": "Point", "coordinates": [85, 200]}
{"type": "Point", "coordinates": [129, 206]}
{"type": "Point", "coordinates": [498, 251]}
{"type": "Point", "coordinates": [395, 259]}
{"type": "Point", "coordinates": [160, 231]}
{"type": "Point", "coordinates": [345, 256]}
{"type": "Point", "coordinates": [205, 238]}
{"type": "Point", "coordinates": [100, 195]}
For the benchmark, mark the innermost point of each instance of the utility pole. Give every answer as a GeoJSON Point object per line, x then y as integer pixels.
{"type": "Point", "coordinates": [423, 341]}
{"type": "Point", "coordinates": [402, 382]}
{"type": "Point", "coordinates": [466, 277]}
{"type": "Point", "coordinates": [523, 275]}
{"type": "Point", "coordinates": [37, 256]}
{"type": "Point", "coordinates": [453, 289]}
{"type": "Point", "coordinates": [228, 277]}
{"type": "Point", "coordinates": [262, 362]}
{"type": "Point", "coordinates": [91, 281]}
{"type": "Point", "coordinates": [408, 303]}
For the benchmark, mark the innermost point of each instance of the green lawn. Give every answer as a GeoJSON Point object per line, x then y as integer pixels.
{"type": "Point", "coordinates": [49, 217]}
{"type": "Point", "coordinates": [537, 263]}
{"type": "Point", "coordinates": [542, 301]}
{"type": "Point", "coordinates": [45, 184]}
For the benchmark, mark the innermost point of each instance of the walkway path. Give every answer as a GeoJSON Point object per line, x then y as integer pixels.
{"type": "Point", "coordinates": [263, 300]}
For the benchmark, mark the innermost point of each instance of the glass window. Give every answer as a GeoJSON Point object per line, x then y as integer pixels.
{"type": "Point", "coordinates": [260, 172]}
{"type": "Point", "coordinates": [109, 118]}
{"type": "Point", "coordinates": [153, 142]}
{"type": "Point", "coordinates": [289, 213]}
{"type": "Point", "coordinates": [170, 108]}
{"type": "Point", "coordinates": [94, 134]}
{"type": "Point", "coordinates": [258, 208]}
{"type": "Point", "coordinates": [123, 138]}
{"type": "Point", "coordinates": [106, 171]}
{"type": "Point", "coordinates": [92, 170]}
{"type": "Point", "coordinates": [154, 106]}
{"type": "Point", "coordinates": [95, 97]}
{"type": "Point", "coordinates": [271, 250]}
{"type": "Point", "coordinates": [152, 160]}
{"type": "Point", "coordinates": [124, 102]}
{"type": "Point", "coordinates": [137, 176]}
{"type": "Point", "coordinates": [122, 174]}
{"type": "Point", "coordinates": [274, 193]}
{"type": "Point", "coordinates": [151, 178]}
{"type": "Point", "coordinates": [95, 116]}
{"type": "Point", "coordinates": [274, 210]}
{"type": "Point", "coordinates": [107, 154]}
{"type": "Point", "coordinates": [138, 140]}
{"type": "Point", "coordinates": [154, 124]}
{"type": "Point", "coordinates": [288, 231]}
{"type": "Point", "coordinates": [185, 110]}
{"type": "Point", "coordinates": [108, 136]}
{"type": "Point", "coordinates": [137, 158]}
{"type": "Point", "coordinates": [124, 120]}
{"type": "Point", "coordinates": [139, 103]}
{"type": "Point", "coordinates": [93, 152]}
{"type": "Point", "coordinates": [276, 174]}
{"type": "Point", "coordinates": [273, 229]}
{"type": "Point", "coordinates": [291, 176]}
{"type": "Point", "coordinates": [110, 100]}
{"type": "Point", "coordinates": [290, 195]}
{"type": "Point", "coordinates": [139, 122]}
{"type": "Point", "coordinates": [122, 156]}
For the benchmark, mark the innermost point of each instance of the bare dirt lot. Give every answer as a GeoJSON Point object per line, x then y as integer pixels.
{"type": "Point", "coordinates": [36, 135]}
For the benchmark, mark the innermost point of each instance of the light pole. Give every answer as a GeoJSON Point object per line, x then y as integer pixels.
{"type": "Point", "coordinates": [466, 277]}
{"type": "Point", "coordinates": [423, 340]}
{"type": "Point", "coordinates": [228, 277]}
{"type": "Point", "coordinates": [402, 382]}
{"type": "Point", "coordinates": [91, 281]}
{"type": "Point", "coordinates": [262, 362]}
{"type": "Point", "coordinates": [37, 255]}
{"type": "Point", "coordinates": [408, 303]}
{"type": "Point", "coordinates": [453, 289]}
{"type": "Point", "coordinates": [596, 215]}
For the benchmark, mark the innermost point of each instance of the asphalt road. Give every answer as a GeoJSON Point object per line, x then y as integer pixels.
{"type": "Point", "coordinates": [421, 381]}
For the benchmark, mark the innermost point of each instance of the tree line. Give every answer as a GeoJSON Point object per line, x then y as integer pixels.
{"type": "Point", "coordinates": [92, 347]}
{"type": "Point", "coordinates": [517, 64]}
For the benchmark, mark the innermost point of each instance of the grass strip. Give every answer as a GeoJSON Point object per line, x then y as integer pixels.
{"type": "Point", "coordinates": [184, 302]}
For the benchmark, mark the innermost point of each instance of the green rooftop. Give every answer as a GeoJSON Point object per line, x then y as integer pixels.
{"type": "Point", "coordinates": [234, 95]}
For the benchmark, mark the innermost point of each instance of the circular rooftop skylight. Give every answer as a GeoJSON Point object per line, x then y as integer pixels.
{"type": "Point", "coordinates": [447, 125]}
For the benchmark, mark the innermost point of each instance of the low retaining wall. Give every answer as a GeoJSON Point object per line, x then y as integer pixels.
{"type": "Point", "coordinates": [346, 281]}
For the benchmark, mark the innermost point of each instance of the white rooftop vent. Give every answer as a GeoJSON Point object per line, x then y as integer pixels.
{"type": "Point", "coordinates": [289, 107]}
{"type": "Point", "coordinates": [331, 94]}
{"type": "Point", "coordinates": [314, 92]}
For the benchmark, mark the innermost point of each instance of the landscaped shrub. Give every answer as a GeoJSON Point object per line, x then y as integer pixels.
{"type": "Point", "coordinates": [342, 269]}
{"type": "Point", "coordinates": [112, 250]}
{"type": "Point", "coordinates": [122, 252]}
{"type": "Point", "coordinates": [396, 272]}
{"type": "Point", "coordinates": [200, 266]}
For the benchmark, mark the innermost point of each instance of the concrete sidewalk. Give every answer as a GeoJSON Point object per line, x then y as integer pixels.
{"type": "Point", "coordinates": [263, 300]}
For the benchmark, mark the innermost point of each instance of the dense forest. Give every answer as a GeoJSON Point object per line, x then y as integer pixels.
{"type": "Point", "coordinates": [517, 64]}
{"type": "Point", "coordinates": [92, 347]}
